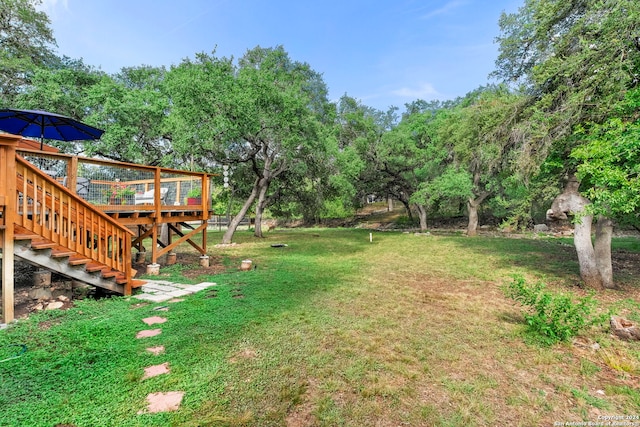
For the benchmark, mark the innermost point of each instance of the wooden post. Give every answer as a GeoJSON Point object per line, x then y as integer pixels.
{"type": "Point", "coordinates": [157, 216]}
{"type": "Point", "coordinates": [72, 175]}
{"type": "Point", "coordinates": [206, 194]}
{"type": "Point", "coordinates": [8, 144]}
{"type": "Point", "coordinates": [127, 263]}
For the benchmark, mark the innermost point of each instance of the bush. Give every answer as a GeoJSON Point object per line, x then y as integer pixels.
{"type": "Point", "coordinates": [553, 317]}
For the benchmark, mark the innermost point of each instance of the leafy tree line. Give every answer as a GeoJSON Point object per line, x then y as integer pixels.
{"type": "Point", "coordinates": [559, 131]}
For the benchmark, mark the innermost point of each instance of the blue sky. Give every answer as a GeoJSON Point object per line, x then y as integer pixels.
{"type": "Point", "coordinates": [381, 52]}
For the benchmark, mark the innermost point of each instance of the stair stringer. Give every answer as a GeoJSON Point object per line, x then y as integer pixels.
{"type": "Point", "coordinates": [42, 258]}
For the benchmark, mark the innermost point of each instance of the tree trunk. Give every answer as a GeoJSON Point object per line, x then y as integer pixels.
{"type": "Point", "coordinates": [472, 225]}
{"type": "Point", "coordinates": [389, 204]}
{"type": "Point", "coordinates": [472, 208]}
{"type": "Point", "coordinates": [260, 206]}
{"type": "Point", "coordinates": [570, 202]}
{"type": "Point", "coordinates": [586, 255]}
{"type": "Point", "coordinates": [407, 207]}
{"type": "Point", "coordinates": [604, 232]}
{"type": "Point", "coordinates": [422, 215]}
{"type": "Point", "coordinates": [233, 225]}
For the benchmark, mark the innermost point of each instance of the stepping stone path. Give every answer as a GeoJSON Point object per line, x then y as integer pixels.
{"type": "Point", "coordinates": [148, 333]}
{"type": "Point", "coordinates": [161, 291]}
{"type": "Point", "coordinates": [153, 320]}
{"type": "Point", "coordinates": [154, 371]}
{"type": "Point", "coordinates": [159, 349]}
{"type": "Point", "coordinates": [163, 402]}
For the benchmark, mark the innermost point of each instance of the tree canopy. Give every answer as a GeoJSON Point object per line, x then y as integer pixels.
{"type": "Point", "coordinates": [26, 43]}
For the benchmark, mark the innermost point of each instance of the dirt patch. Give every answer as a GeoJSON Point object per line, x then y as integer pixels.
{"type": "Point", "coordinates": [244, 354]}
{"type": "Point", "coordinates": [302, 414]}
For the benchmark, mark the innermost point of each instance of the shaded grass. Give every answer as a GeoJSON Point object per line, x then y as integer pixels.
{"type": "Point", "coordinates": [330, 330]}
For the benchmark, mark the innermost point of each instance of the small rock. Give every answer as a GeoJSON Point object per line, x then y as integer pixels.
{"type": "Point", "coordinates": [541, 228]}
{"type": "Point", "coordinates": [63, 298]}
{"type": "Point", "coordinates": [624, 328]}
{"type": "Point", "coordinates": [600, 392]}
{"type": "Point", "coordinates": [55, 305]}
{"type": "Point", "coordinates": [38, 306]}
{"type": "Point", "coordinates": [595, 346]}
{"type": "Point", "coordinates": [40, 293]}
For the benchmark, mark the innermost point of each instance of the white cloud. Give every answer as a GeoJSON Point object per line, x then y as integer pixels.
{"type": "Point", "coordinates": [423, 91]}
{"type": "Point", "coordinates": [445, 9]}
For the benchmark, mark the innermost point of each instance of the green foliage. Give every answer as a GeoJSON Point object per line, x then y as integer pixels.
{"type": "Point", "coordinates": [452, 187]}
{"type": "Point", "coordinates": [553, 317]}
{"type": "Point", "coordinates": [265, 111]}
{"type": "Point", "coordinates": [576, 60]}
{"type": "Point", "coordinates": [335, 208]}
{"type": "Point", "coordinates": [610, 161]}
{"type": "Point", "coordinates": [26, 43]}
{"type": "Point", "coordinates": [131, 106]}
{"type": "Point", "coordinates": [194, 192]}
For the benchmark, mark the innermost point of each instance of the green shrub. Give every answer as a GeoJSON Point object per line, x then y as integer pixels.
{"type": "Point", "coordinates": [553, 317]}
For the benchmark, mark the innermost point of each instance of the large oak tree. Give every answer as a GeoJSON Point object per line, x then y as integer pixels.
{"type": "Point", "coordinates": [262, 110]}
{"type": "Point", "coordinates": [576, 59]}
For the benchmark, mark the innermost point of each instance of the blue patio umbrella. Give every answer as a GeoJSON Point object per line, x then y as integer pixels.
{"type": "Point", "coordinates": [47, 125]}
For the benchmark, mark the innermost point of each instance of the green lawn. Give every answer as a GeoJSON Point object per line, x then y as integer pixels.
{"type": "Point", "coordinates": [332, 330]}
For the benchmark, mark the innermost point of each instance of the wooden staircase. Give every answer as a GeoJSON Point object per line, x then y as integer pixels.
{"type": "Point", "coordinates": [34, 249]}
{"type": "Point", "coordinates": [47, 225]}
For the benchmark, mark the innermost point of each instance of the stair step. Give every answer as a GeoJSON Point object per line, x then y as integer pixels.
{"type": "Point", "coordinates": [42, 244]}
{"type": "Point", "coordinates": [78, 260]}
{"type": "Point", "coordinates": [121, 279]}
{"type": "Point", "coordinates": [61, 253]}
{"type": "Point", "coordinates": [138, 283]}
{"type": "Point", "coordinates": [92, 267]}
{"type": "Point", "coordinates": [108, 274]}
{"type": "Point", "coordinates": [25, 236]}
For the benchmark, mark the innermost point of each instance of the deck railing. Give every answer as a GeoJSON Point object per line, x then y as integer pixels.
{"type": "Point", "coordinates": [116, 186]}
{"type": "Point", "coordinates": [48, 209]}
{"type": "Point", "coordinates": [70, 200]}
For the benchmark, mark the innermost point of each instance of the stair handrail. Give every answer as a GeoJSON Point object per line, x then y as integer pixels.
{"type": "Point", "coordinates": [63, 217]}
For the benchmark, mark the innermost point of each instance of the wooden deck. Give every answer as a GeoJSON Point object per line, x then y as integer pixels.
{"type": "Point", "coordinates": [94, 212]}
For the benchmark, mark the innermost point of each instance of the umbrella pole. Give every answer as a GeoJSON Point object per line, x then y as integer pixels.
{"type": "Point", "coordinates": [42, 134]}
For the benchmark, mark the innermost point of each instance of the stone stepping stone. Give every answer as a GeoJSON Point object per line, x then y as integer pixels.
{"type": "Point", "coordinates": [163, 402]}
{"type": "Point", "coordinates": [174, 300]}
{"type": "Point", "coordinates": [148, 333]}
{"type": "Point", "coordinates": [159, 349]}
{"type": "Point", "coordinates": [179, 293]}
{"type": "Point", "coordinates": [151, 297]}
{"type": "Point", "coordinates": [154, 319]}
{"type": "Point", "coordinates": [155, 370]}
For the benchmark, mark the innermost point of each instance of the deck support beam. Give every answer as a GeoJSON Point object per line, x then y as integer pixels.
{"type": "Point", "coordinates": [186, 238]}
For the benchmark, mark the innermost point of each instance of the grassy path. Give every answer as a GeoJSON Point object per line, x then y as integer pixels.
{"type": "Point", "coordinates": [331, 330]}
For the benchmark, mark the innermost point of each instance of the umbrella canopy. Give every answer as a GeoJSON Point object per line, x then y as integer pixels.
{"type": "Point", "coordinates": [47, 125]}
